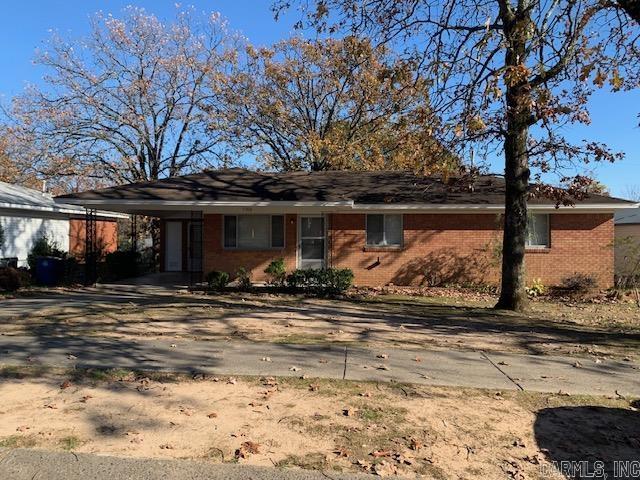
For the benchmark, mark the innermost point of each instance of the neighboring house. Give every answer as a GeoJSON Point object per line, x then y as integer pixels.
{"type": "Point", "coordinates": [388, 227]}
{"type": "Point", "coordinates": [627, 235]}
{"type": "Point", "coordinates": [27, 215]}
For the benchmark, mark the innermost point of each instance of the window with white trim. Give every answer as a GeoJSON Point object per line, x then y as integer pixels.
{"type": "Point", "coordinates": [538, 231]}
{"type": "Point", "coordinates": [384, 230]}
{"type": "Point", "coordinates": [253, 232]}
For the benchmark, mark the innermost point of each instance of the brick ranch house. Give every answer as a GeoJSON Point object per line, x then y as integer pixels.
{"type": "Point", "coordinates": [388, 227]}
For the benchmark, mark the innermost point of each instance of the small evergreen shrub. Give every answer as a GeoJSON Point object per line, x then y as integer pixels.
{"type": "Point", "coordinates": [324, 281]}
{"type": "Point", "coordinates": [43, 247]}
{"type": "Point", "coordinates": [277, 272]}
{"type": "Point", "coordinates": [217, 280]}
{"type": "Point", "coordinates": [243, 277]}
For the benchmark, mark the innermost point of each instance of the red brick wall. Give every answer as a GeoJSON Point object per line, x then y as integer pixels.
{"type": "Point", "coordinates": [461, 248]}
{"type": "Point", "coordinates": [106, 236]}
{"type": "Point", "coordinates": [438, 248]}
{"type": "Point", "coordinates": [230, 260]}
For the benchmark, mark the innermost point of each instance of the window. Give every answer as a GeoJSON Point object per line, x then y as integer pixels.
{"type": "Point", "coordinates": [538, 231]}
{"type": "Point", "coordinates": [384, 230]}
{"type": "Point", "coordinates": [253, 232]}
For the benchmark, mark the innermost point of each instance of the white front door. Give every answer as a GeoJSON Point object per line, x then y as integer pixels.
{"type": "Point", "coordinates": [312, 243]}
{"type": "Point", "coordinates": [173, 247]}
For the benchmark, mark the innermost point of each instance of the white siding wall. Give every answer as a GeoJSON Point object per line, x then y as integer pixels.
{"type": "Point", "coordinates": [22, 230]}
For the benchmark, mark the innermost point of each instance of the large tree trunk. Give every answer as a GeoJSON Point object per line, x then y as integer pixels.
{"type": "Point", "coordinates": [518, 98]}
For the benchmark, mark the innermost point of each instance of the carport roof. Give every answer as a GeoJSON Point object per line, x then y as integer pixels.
{"type": "Point", "coordinates": [345, 188]}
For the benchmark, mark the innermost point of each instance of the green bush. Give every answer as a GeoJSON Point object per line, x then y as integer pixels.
{"type": "Point", "coordinates": [243, 277]}
{"type": "Point", "coordinates": [217, 280]}
{"type": "Point", "coordinates": [324, 281]}
{"type": "Point", "coordinates": [43, 247]}
{"type": "Point", "coordinates": [122, 264]}
{"type": "Point", "coordinates": [277, 272]}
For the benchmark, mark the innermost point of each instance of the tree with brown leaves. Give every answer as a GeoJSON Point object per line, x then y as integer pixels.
{"type": "Point", "coordinates": [507, 75]}
{"type": "Point", "coordinates": [333, 104]}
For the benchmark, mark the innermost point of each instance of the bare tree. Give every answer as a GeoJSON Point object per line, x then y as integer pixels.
{"type": "Point", "coordinates": [508, 75]}
{"type": "Point", "coordinates": [332, 104]}
{"type": "Point", "coordinates": [632, 192]}
{"type": "Point", "coordinates": [133, 102]}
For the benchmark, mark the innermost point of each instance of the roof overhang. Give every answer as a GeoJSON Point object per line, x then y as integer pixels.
{"type": "Point", "coordinates": [63, 209]}
{"type": "Point", "coordinates": [161, 207]}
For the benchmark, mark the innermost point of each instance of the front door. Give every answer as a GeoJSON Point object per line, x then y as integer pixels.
{"type": "Point", "coordinates": [312, 244]}
{"type": "Point", "coordinates": [173, 247]}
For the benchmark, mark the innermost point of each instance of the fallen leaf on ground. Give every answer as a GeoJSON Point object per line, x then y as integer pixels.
{"type": "Point", "coordinates": [247, 448]}
{"type": "Point", "coordinates": [65, 384]}
{"type": "Point", "coordinates": [381, 453]}
{"type": "Point", "coordinates": [213, 415]}
{"type": "Point", "coordinates": [342, 452]}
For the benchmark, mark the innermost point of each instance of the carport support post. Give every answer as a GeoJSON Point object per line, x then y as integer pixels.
{"type": "Point", "coordinates": [90, 248]}
{"type": "Point", "coordinates": [134, 233]}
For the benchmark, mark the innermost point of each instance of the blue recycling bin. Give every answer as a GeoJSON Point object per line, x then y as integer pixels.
{"type": "Point", "coordinates": [49, 271]}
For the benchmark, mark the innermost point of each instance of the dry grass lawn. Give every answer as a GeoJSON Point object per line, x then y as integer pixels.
{"type": "Point", "coordinates": [606, 329]}
{"type": "Point", "coordinates": [317, 424]}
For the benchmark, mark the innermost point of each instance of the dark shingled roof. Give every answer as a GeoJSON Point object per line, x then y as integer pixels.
{"type": "Point", "coordinates": [328, 186]}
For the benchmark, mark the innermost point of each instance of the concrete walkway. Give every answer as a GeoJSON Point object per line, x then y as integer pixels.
{"type": "Point", "coordinates": [41, 465]}
{"type": "Point", "coordinates": [451, 368]}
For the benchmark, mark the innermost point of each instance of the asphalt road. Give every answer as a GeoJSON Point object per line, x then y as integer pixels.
{"type": "Point", "coordinates": [24, 464]}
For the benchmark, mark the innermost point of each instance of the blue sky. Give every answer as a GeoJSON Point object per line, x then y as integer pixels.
{"type": "Point", "coordinates": [24, 25]}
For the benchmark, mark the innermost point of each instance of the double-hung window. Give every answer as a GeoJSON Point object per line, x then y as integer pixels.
{"type": "Point", "coordinates": [384, 230]}
{"type": "Point", "coordinates": [253, 232]}
{"type": "Point", "coordinates": [538, 231]}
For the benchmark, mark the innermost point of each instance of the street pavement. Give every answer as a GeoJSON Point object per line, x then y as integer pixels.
{"type": "Point", "coordinates": [22, 464]}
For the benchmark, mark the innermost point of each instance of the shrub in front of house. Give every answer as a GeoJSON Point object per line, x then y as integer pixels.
{"type": "Point", "coordinates": [277, 273]}
{"type": "Point", "coordinates": [217, 280]}
{"type": "Point", "coordinates": [580, 283]}
{"type": "Point", "coordinates": [243, 278]}
{"type": "Point", "coordinates": [122, 264]}
{"type": "Point", "coordinates": [325, 281]}
{"type": "Point", "coordinates": [13, 279]}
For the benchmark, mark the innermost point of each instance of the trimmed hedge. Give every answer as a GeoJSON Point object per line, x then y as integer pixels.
{"type": "Point", "coordinates": [324, 281]}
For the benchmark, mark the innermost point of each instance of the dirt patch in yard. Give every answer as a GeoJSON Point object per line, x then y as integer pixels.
{"type": "Point", "coordinates": [382, 321]}
{"type": "Point", "coordinates": [327, 425]}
